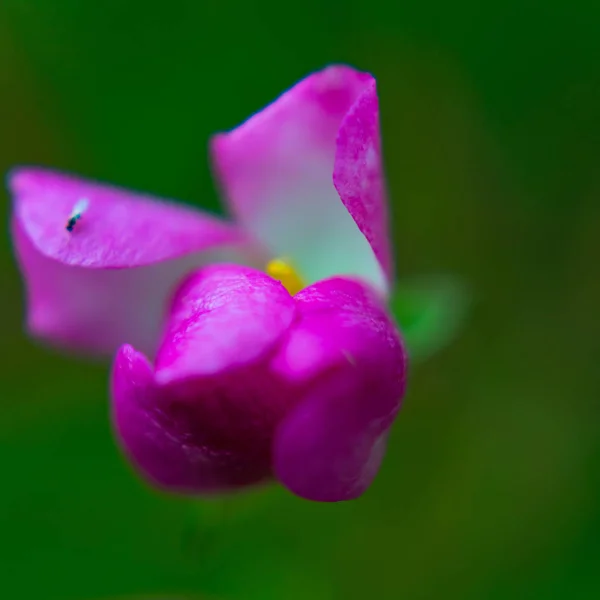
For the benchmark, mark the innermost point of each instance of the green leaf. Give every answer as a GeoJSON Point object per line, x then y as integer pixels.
{"type": "Point", "coordinates": [430, 312]}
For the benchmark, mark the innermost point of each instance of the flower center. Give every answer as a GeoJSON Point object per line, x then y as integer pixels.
{"type": "Point", "coordinates": [282, 270]}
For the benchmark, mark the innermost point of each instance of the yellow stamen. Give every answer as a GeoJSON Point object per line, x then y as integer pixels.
{"type": "Point", "coordinates": [283, 271]}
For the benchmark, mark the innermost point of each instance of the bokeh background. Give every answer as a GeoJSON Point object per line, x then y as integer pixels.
{"type": "Point", "coordinates": [491, 125]}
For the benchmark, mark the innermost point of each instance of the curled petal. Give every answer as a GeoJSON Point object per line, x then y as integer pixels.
{"type": "Point", "coordinates": [164, 443]}
{"type": "Point", "coordinates": [278, 168]}
{"type": "Point", "coordinates": [211, 406]}
{"type": "Point", "coordinates": [223, 317]}
{"type": "Point", "coordinates": [358, 175]}
{"type": "Point", "coordinates": [107, 281]}
{"type": "Point", "coordinates": [240, 394]}
{"type": "Point", "coordinates": [347, 352]}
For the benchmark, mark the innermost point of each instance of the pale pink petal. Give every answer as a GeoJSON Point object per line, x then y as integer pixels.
{"type": "Point", "coordinates": [107, 282]}
{"type": "Point", "coordinates": [277, 172]}
{"type": "Point", "coordinates": [346, 350]}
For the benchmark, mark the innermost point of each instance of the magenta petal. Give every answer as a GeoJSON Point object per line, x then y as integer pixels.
{"type": "Point", "coordinates": [277, 172]}
{"type": "Point", "coordinates": [347, 351]}
{"type": "Point", "coordinates": [107, 281]}
{"type": "Point", "coordinates": [225, 325]}
{"type": "Point", "coordinates": [223, 317]}
{"type": "Point", "coordinates": [205, 419]}
{"type": "Point", "coordinates": [162, 441]}
{"type": "Point", "coordinates": [119, 228]}
{"type": "Point", "coordinates": [358, 175]}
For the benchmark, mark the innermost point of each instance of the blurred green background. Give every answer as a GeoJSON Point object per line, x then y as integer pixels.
{"type": "Point", "coordinates": [491, 125]}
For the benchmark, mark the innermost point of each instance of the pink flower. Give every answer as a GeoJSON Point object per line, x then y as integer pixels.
{"type": "Point", "coordinates": [246, 350]}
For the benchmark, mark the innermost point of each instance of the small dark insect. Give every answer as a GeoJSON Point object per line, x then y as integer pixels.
{"type": "Point", "coordinates": [78, 210]}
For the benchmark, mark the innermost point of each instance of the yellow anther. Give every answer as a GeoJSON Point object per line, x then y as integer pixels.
{"type": "Point", "coordinates": [283, 271]}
